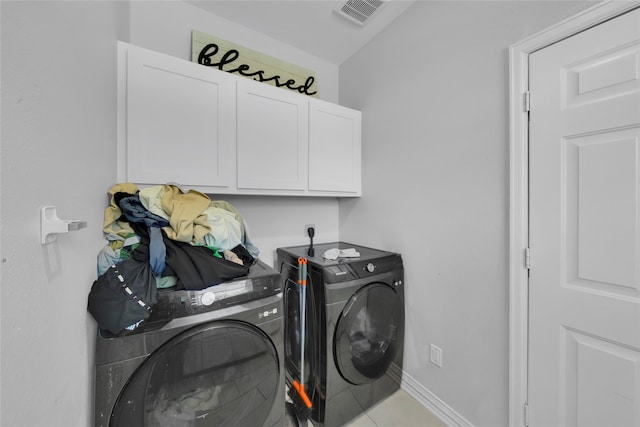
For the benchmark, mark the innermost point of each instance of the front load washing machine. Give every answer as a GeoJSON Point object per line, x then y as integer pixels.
{"type": "Point", "coordinates": [204, 358]}
{"type": "Point", "coordinates": [354, 331]}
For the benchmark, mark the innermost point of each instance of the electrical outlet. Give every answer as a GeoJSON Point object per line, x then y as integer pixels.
{"type": "Point", "coordinates": [435, 355]}
{"type": "Point", "coordinates": [307, 227]}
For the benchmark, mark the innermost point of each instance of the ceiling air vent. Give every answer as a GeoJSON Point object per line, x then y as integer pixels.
{"type": "Point", "coordinates": [359, 11]}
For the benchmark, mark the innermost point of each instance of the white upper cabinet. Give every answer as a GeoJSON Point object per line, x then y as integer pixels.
{"type": "Point", "coordinates": [334, 148]}
{"type": "Point", "coordinates": [179, 121]}
{"type": "Point", "coordinates": [272, 137]}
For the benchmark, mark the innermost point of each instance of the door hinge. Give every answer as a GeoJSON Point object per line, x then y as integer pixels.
{"type": "Point", "coordinates": [527, 258]}
{"type": "Point", "coordinates": [526, 414]}
{"type": "Point", "coordinates": [527, 101]}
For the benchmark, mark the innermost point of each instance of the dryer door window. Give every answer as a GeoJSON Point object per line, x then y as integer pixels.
{"type": "Point", "coordinates": [218, 373]}
{"type": "Point", "coordinates": [293, 333]}
{"type": "Point", "coordinates": [369, 333]}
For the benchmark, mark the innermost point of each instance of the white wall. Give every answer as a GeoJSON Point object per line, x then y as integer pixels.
{"type": "Point", "coordinates": [58, 148]}
{"type": "Point", "coordinates": [165, 26]}
{"type": "Point", "coordinates": [280, 221]}
{"type": "Point", "coordinates": [435, 184]}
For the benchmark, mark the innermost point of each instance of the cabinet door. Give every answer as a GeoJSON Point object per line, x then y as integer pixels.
{"type": "Point", "coordinates": [334, 148]}
{"type": "Point", "coordinates": [272, 137]}
{"type": "Point", "coordinates": [179, 121]}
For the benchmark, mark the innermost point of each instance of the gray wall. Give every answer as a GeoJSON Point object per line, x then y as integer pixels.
{"type": "Point", "coordinates": [58, 140]}
{"type": "Point", "coordinates": [433, 89]}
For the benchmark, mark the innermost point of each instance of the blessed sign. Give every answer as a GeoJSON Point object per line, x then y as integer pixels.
{"type": "Point", "coordinates": [232, 58]}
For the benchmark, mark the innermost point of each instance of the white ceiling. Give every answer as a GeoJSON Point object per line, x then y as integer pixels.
{"type": "Point", "coordinates": [310, 25]}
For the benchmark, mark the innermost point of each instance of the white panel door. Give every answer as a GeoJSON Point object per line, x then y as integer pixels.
{"type": "Point", "coordinates": [584, 287]}
{"type": "Point", "coordinates": [180, 121]}
{"type": "Point", "coordinates": [334, 148]}
{"type": "Point", "coordinates": [273, 137]}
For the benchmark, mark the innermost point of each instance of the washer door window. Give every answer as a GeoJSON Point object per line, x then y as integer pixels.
{"type": "Point", "coordinates": [221, 373]}
{"type": "Point", "coordinates": [369, 333]}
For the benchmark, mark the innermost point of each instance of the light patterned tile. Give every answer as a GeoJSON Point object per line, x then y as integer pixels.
{"type": "Point", "coordinates": [402, 410]}
{"type": "Point", "coordinates": [362, 421]}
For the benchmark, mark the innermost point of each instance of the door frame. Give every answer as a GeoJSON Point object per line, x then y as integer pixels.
{"type": "Point", "coordinates": [519, 189]}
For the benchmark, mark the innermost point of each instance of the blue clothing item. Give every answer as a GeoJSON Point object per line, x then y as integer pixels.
{"type": "Point", "coordinates": [135, 212]}
{"type": "Point", "coordinates": [248, 244]}
{"type": "Point", "coordinates": [106, 258]}
{"type": "Point", "coordinates": [157, 251]}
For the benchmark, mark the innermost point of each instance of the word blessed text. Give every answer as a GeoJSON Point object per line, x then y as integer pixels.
{"type": "Point", "coordinates": [229, 57]}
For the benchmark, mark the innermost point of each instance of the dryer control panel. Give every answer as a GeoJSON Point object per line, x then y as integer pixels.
{"type": "Point", "coordinates": [357, 269]}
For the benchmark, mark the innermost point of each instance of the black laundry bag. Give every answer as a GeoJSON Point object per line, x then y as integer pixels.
{"type": "Point", "coordinates": [198, 268]}
{"type": "Point", "coordinates": [122, 296]}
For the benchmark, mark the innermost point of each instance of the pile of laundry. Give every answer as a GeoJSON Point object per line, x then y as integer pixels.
{"type": "Point", "coordinates": [163, 237]}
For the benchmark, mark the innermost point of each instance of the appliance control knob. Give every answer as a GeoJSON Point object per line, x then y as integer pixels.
{"type": "Point", "coordinates": [208, 298]}
{"type": "Point", "coordinates": [371, 267]}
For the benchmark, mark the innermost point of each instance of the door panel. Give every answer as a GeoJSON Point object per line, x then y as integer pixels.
{"type": "Point", "coordinates": [606, 211]}
{"type": "Point", "coordinates": [611, 388]}
{"type": "Point", "coordinates": [584, 287]}
{"type": "Point", "coordinates": [179, 121]}
{"type": "Point", "coordinates": [334, 147]}
{"type": "Point", "coordinates": [273, 137]}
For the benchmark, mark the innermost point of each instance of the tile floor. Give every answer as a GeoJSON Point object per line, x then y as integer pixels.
{"type": "Point", "coordinates": [398, 410]}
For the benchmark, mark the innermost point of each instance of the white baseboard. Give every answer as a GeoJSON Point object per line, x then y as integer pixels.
{"type": "Point", "coordinates": [430, 401]}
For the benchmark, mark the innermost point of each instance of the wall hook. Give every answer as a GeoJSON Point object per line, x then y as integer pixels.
{"type": "Point", "coordinates": [50, 224]}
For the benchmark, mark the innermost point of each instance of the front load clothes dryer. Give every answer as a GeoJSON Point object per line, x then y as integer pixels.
{"type": "Point", "coordinates": [354, 328]}
{"type": "Point", "coordinates": [204, 358]}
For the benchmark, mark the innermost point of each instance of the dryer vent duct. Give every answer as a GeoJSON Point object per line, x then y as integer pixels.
{"type": "Point", "coordinates": [359, 11]}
